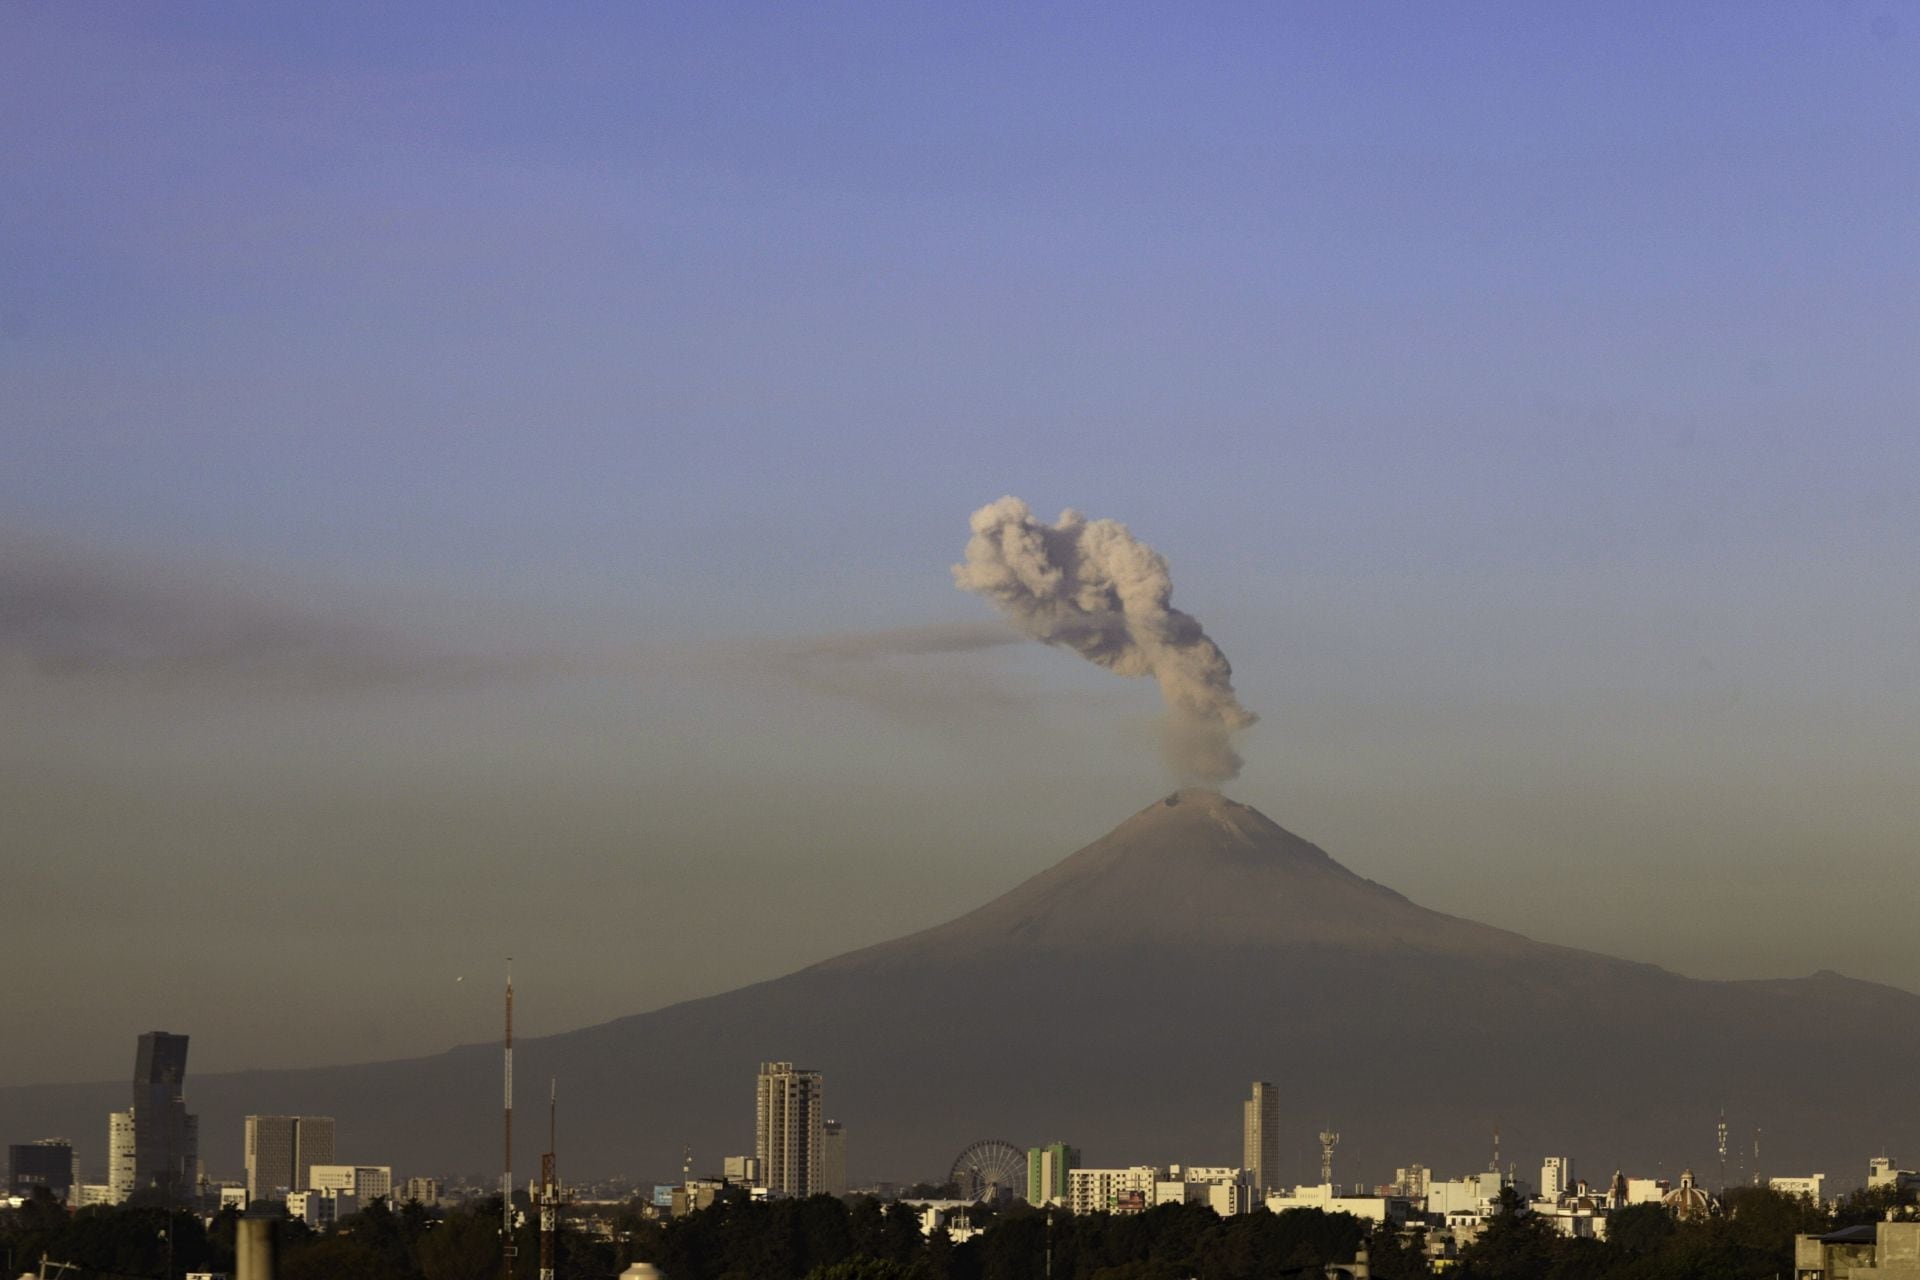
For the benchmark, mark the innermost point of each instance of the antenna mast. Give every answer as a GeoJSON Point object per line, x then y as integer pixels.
{"type": "Point", "coordinates": [1722, 1134]}
{"type": "Point", "coordinates": [549, 1191]}
{"type": "Point", "coordinates": [1328, 1141]}
{"type": "Point", "coordinates": [506, 1167]}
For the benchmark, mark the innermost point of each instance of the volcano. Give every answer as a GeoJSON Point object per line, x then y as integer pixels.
{"type": "Point", "coordinates": [1123, 1000]}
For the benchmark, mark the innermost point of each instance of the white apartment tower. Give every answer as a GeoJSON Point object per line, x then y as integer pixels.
{"type": "Point", "coordinates": [788, 1136]}
{"type": "Point", "coordinates": [120, 1162]}
{"type": "Point", "coordinates": [1260, 1137]}
{"type": "Point", "coordinates": [1556, 1177]}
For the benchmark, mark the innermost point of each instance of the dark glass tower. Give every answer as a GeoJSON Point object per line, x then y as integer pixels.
{"type": "Point", "coordinates": [165, 1138]}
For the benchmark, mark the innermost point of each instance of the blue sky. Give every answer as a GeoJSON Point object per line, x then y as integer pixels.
{"type": "Point", "coordinates": [1524, 399]}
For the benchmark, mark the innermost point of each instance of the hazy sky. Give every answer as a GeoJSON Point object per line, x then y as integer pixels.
{"type": "Point", "coordinates": [485, 482]}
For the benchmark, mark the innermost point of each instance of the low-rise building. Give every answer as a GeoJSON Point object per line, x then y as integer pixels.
{"type": "Point", "coordinates": [1876, 1251]}
{"type": "Point", "coordinates": [1881, 1173]}
{"type": "Point", "coordinates": [368, 1182]}
{"type": "Point", "coordinates": [1327, 1199]}
{"type": "Point", "coordinates": [952, 1216]}
{"type": "Point", "coordinates": [425, 1190]}
{"type": "Point", "coordinates": [1225, 1190]}
{"type": "Point", "coordinates": [1476, 1193]}
{"type": "Point", "coordinates": [321, 1209]}
{"type": "Point", "coordinates": [1647, 1190]}
{"type": "Point", "coordinates": [1810, 1187]}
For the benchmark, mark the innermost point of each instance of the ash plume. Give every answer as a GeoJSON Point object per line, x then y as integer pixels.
{"type": "Point", "coordinates": [1091, 586]}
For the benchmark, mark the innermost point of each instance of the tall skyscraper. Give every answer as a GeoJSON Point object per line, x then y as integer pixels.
{"type": "Point", "coordinates": [120, 1182]}
{"type": "Point", "coordinates": [1260, 1137]}
{"type": "Point", "coordinates": [833, 1157]}
{"type": "Point", "coordinates": [281, 1153]}
{"type": "Point", "coordinates": [787, 1130]}
{"type": "Point", "coordinates": [165, 1138]}
{"type": "Point", "coordinates": [1047, 1170]}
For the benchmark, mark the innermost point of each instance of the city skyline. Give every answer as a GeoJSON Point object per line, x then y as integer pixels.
{"type": "Point", "coordinates": [475, 484]}
{"type": "Point", "coordinates": [1254, 949]}
{"type": "Point", "coordinates": [800, 1154]}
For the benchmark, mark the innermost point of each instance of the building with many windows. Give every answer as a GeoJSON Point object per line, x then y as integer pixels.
{"type": "Point", "coordinates": [1128, 1190]}
{"type": "Point", "coordinates": [1812, 1187]}
{"type": "Point", "coordinates": [119, 1157]}
{"type": "Point", "coordinates": [425, 1190]}
{"type": "Point", "coordinates": [833, 1157]}
{"type": "Point", "coordinates": [1047, 1169]}
{"type": "Point", "coordinates": [47, 1163]}
{"type": "Point", "coordinates": [1556, 1177]}
{"type": "Point", "coordinates": [788, 1130]}
{"type": "Point", "coordinates": [281, 1152]}
{"type": "Point", "coordinates": [1260, 1137]}
{"type": "Point", "coordinates": [368, 1182]}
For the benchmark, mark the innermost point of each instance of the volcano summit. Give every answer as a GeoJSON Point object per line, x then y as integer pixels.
{"type": "Point", "coordinates": [1123, 999]}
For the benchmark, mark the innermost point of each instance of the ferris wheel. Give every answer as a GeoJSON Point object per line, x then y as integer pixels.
{"type": "Point", "coordinates": [991, 1170]}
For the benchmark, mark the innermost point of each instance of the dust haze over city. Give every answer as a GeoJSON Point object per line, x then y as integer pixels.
{"type": "Point", "coordinates": [589, 488]}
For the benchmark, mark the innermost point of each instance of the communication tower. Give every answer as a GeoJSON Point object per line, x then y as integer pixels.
{"type": "Point", "coordinates": [1721, 1131]}
{"type": "Point", "coordinates": [1328, 1141]}
{"type": "Point", "coordinates": [507, 1250]}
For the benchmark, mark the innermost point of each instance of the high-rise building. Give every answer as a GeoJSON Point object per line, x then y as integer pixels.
{"type": "Point", "coordinates": [120, 1163]}
{"type": "Point", "coordinates": [1260, 1137]}
{"type": "Point", "coordinates": [1556, 1177]}
{"type": "Point", "coordinates": [47, 1163]}
{"type": "Point", "coordinates": [281, 1153]}
{"type": "Point", "coordinates": [833, 1157]}
{"type": "Point", "coordinates": [787, 1130]}
{"type": "Point", "coordinates": [166, 1139]}
{"type": "Point", "coordinates": [1047, 1169]}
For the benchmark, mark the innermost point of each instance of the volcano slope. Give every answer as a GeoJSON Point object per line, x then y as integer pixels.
{"type": "Point", "coordinates": [1122, 1001]}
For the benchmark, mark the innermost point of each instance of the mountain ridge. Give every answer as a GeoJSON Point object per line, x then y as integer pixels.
{"type": "Point", "coordinates": [1122, 999]}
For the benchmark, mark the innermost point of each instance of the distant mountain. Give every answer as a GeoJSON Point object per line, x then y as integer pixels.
{"type": "Point", "coordinates": [1123, 1000]}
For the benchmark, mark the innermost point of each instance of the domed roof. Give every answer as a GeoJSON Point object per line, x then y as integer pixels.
{"type": "Point", "coordinates": [1686, 1201]}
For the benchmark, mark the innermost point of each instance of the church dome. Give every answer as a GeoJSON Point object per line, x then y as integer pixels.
{"type": "Point", "coordinates": [1688, 1202]}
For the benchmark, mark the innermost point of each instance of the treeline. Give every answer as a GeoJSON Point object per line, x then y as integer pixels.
{"type": "Point", "coordinates": [827, 1239]}
{"type": "Point", "coordinates": [824, 1239]}
{"type": "Point", "coordinates": [131, 1242]}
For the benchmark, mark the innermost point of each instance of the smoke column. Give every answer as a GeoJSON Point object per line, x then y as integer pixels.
{"type": "Point", "coordinates": [1090, 586]}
